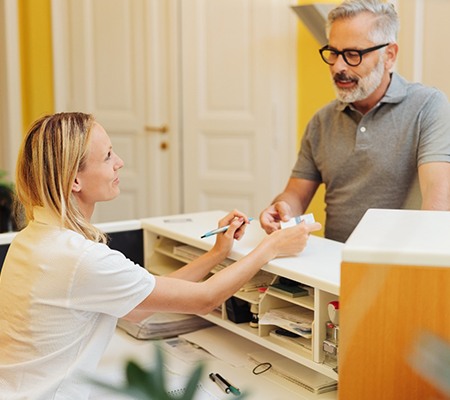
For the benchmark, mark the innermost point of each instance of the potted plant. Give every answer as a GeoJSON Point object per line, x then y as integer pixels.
{"type": "Point", "coordinates": [7, 222]}
{"type": "Point", "coordinates": [150, 384]}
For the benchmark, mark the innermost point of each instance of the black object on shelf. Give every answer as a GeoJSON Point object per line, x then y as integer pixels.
{"type": "Point", "coordinates": [238, 310]}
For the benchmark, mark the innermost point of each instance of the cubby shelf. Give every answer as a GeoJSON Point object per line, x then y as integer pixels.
{"type": "Point", "coordinates": [170, 247]}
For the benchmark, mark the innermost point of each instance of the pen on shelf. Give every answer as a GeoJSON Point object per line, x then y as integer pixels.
{"type": "Point", "coordinates": [219, 382]}
{"type": "Point", "coordinates": [219, 230]}
{"type": "Point", "coordinates": [231, 388]}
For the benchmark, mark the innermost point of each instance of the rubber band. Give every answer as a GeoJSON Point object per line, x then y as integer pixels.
{"type": "Point", "coordinates": [261, 368]}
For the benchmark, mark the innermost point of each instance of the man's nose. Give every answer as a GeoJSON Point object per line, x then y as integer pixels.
{"type": "Point", "coordinates": [339, 65]}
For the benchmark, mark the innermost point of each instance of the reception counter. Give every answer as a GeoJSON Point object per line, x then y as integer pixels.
{"type": "Point", "coordinates": [391, 278]}
{"type": "Point", "coordinates": [395, 285]}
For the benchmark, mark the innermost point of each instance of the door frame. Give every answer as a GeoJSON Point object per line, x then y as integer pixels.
{"type": "Point", "coordinates": [10, 80]}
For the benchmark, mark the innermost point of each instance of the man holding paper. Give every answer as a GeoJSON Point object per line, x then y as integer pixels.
{"type": "Point", "coordinates": [383, 143]}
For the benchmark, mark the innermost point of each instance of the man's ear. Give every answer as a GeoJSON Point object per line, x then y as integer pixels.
{"type": "Point", "coordinates": [76, 185]}
{"type": "Point", "coordinates": [391, 55]}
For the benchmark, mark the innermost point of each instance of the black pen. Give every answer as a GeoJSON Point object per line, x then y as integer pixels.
{"type": "Point", "coordinates": [219, 382]}
{"type": "Point", "coordinates": [219, 230]}
{"type": "Point", "coordinates": [230, 387]}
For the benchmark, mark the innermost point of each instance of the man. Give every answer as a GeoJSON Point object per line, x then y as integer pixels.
{"type": "Point", "coordinates": [384, 143]}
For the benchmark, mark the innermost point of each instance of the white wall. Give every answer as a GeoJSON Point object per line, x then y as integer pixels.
{"type": "Point", "coordinates": [424, 33]}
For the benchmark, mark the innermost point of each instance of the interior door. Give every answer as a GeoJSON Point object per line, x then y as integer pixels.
{"type": "Point", "coordinates": [111, 60]}
{"type": "Point", "coordinates": [221, 75]}
{"type": "Point", "coordinates": [239, 92]}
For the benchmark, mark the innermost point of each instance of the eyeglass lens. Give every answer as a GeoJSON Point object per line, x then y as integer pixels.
{"type": "Point", "coordinates": [351, 57]}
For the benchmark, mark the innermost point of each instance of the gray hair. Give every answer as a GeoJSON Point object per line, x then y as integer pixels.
{"type": "Point", "coordinates": [386, 25]}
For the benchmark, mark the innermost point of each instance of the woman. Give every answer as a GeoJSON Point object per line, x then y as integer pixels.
{"type": "Point", "coordinates": [62, 288]}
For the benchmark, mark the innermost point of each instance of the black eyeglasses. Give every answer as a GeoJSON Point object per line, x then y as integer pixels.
{"type": "Point", "coordinates": [351, 57]}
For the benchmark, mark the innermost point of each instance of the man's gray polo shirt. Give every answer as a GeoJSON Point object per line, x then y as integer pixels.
{"type": "Point", "coordinates": [370, 161]}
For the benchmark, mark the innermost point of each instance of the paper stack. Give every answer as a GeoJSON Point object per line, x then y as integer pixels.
{"type": "Point", "coordinates": [163, 325]}
{"type": "Point", "coordinates": [293, 318]}
{"type": "Point", "coordinates": [192, 253]}
{"type": "Point", "coordinates": [188, 252]}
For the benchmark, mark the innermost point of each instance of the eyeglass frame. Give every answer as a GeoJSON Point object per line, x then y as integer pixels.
{"type": "Point", "coordinates": [342, 53]}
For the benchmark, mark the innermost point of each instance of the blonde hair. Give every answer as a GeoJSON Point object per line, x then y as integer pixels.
{"type": "Point", "coordinates": [52, 153]}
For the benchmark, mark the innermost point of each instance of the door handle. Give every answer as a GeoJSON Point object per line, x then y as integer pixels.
{"type": "Point", "coordinates": [157, 129]}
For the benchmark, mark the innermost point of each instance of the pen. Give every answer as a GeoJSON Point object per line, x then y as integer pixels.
{"type": "Point", "coordinates": [219, 230]}
{"type": "Point", "coordinates": [230, 387]}
{"type": "Point", "coordinates": [219, 382]}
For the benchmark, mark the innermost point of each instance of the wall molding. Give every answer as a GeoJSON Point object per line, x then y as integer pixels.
{"type": "Point", "coordinates": [418, 40]}
{"type": "Point", "coordinates": [10, 79]}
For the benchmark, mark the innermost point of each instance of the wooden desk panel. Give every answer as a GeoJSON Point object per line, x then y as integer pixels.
{"type": "Point", "coordinates": [383, 310]}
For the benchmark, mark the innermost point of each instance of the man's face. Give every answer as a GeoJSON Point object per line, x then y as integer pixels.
{"type": "Point", "coordinates": [353, 84]}
{"type": "Point", "coordinates": [352, 88]}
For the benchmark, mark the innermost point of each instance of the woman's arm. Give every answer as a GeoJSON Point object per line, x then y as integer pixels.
{"type": "Point", "coordinates": [179, 295]}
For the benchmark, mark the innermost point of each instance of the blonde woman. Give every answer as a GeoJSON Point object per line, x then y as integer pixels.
{"type": "Point", "coordinates": [62, 288]}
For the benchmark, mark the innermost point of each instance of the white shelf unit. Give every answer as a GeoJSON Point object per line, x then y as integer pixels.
{"type": "Point", "coordinates": [317, 267]}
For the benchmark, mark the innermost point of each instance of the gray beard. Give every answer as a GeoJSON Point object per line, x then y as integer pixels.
{"type": "Point", "coordinates": [365, 86]}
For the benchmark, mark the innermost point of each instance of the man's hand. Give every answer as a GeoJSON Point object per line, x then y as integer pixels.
{"type": "Point", "coordinates": [270, 218]}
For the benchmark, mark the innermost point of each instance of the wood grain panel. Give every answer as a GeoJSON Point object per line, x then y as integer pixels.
{"type": "Point", "coordinates": [384, 309]}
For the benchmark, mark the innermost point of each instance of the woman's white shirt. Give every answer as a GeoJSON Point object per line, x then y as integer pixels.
{"type": "Point", "coordinates": [60, 298]}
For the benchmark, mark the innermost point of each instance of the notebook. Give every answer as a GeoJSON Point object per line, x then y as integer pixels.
{"type": "Point", "coordinates": [200, 394]}
{"type": "Point", "coordinates": [294, 372]}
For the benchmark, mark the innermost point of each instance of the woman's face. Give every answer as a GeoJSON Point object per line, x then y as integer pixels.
{"type": "Point", "coordinates": [99, 180]}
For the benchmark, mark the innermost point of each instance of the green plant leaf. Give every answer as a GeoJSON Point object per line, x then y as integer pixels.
{"type": "Point", "coordinates": [139, 379]}
{"type": "Point", "coordinates": [150, 384]}
{"type": "Point", "coordinates": [158, 375]}
{"type": "Point", "coordinates": [4, 182]}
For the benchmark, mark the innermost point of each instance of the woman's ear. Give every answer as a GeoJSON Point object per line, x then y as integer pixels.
{"type": "Point", "coordinates": [76, 185]}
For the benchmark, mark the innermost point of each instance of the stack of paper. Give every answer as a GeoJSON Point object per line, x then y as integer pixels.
{"type": "Point", "coordinates": [191, 253]}
{"type": "Point", "coordinates": [261, 280]}
{"type": "Point", "coordinates": [301, 341]}
{"type": "Point", "coordinates": [294, 319]}
{"type": "Point", "coordinates": [188, 252]}
{"type": "Point", "coordinates": [163, 325]}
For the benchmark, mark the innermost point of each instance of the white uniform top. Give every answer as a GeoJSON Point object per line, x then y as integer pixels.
{"type": "Point", "coordinates": [60, 297]}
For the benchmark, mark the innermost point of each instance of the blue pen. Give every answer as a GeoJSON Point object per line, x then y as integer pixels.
{"type": "Point", "coordinates": [219, 230]}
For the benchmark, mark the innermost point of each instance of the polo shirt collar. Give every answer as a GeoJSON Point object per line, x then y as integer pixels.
{"type": "Point", "coordinates": [396, 91]}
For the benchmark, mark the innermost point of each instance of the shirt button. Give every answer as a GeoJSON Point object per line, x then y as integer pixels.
{"type": "Point", "coordinates": [362, 129]}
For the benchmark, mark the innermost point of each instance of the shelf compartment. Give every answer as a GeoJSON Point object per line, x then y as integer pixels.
{"type": "Point", "coordinates": [304, 301]}
{"type": "Point", "coordinates": [160, 258]}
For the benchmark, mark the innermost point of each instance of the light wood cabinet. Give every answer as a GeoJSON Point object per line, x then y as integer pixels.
{"type": "Point", "coordinates": [395, 283]}
{"type": "Point", "coordinates": [168, 242]}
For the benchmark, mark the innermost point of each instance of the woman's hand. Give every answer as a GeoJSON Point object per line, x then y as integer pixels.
{"type": "Point", "coordinates": [290, 241]}
{"type": "Point", "coordinates": [224, 241]}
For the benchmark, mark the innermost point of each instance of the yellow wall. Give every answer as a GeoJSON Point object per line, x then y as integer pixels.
{"type": "Point", "coordinates": [314, 91]}
{"type": "Point", "coordinates": [36, 59]}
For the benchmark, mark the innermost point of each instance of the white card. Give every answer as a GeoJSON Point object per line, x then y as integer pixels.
{"type": "Point", "coordinates": [307, 218]}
